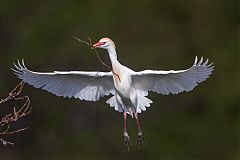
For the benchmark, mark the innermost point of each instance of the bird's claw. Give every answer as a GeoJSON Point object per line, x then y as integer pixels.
{"type": "Point", "coordinates": [140, 140]}
{"type": "Point", "coordinates": [126, 141]}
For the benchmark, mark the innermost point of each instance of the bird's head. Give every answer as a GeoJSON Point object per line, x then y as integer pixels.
{"type": "Point", "coordinates": [105, 43]}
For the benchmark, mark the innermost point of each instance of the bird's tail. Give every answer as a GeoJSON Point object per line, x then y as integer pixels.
{"type": "Point", "coordinates": [113, 103]}
{"type": "Point", "coordinates": [143, 102]}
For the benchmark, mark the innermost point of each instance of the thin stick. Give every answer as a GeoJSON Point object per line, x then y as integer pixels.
{"type": "Point", "coordinates": [90, 45]}
{"type": "Point", "coordinates": [14, 93]}
{"type": "Point", "coordinates": [11, 118]}
{"type": "Point", "coordinates": [12, 132]}
{"type": "Point", "coordinates": [106, 64]}
{"type": "Point", "coordinates": [82, 41]}
{"type": "Point", "coordinates": [4, 142]}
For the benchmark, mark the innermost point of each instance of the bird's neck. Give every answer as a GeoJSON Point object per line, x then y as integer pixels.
{"type": "Point", "coordinates": [113, 58]}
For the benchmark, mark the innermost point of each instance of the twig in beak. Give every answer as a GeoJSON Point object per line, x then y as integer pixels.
{"type": "Point", "coordinates": [106, 64]}
{"type": "Point", "coordinates": [90, 45]}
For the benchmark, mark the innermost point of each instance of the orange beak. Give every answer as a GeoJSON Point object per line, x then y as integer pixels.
{"type": "Point", "coordinates": [98, 44]}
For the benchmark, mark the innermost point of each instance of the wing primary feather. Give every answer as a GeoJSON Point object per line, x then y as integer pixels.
{"type": "Point", "coordinates": [19, 64]}
{"type": "Point", "coordinates": [23, 64]}
{"type": "Point", "coordinates": [196, 60]}
{"type": "Point", "coordinates": [16, 71]}
{"type": "Point", "coordinates": [18, 68]}
{"type": "Point", "coordinates": [209, 65]}
{"type": "Point", "coordinates": [201, 60]}
{"type": "Point", "coordinates": [204, 64]}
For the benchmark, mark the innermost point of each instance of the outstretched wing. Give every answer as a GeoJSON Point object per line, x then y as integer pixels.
{"type": "Point", "coordinates": [90, 86]}
{"type": "Point", "coordinates": [174, 82]}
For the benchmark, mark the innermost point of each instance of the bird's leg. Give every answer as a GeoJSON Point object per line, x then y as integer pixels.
{"type": "Point", "coordinates": [126, 138]}
{"type": "Point", "coordinates": [140, 138]}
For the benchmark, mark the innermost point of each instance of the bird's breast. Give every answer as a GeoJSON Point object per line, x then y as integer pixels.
{"type": "Point", "coordinates": [117, 77]}
{"type": "Point", "coordinates": [122, 83]}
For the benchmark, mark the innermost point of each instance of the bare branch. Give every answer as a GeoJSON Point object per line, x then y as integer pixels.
{"type": "Point", "coordinates": [4, 142]}
{"type": "Point", "coordinates": [11, 118]}
{"type": "Point", "coordinates": [14, 93]}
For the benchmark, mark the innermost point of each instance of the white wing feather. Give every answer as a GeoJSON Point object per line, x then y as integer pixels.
{"type": "Point", "coordinates": [90, 86]}
{"type": "Point", "coordinates": [165, 82]}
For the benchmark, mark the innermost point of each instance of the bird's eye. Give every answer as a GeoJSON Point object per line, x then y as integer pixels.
{"type": "Point", "coordinates": [104, 43]}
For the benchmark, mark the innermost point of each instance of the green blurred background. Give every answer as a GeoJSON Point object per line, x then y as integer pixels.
{"type": "Point", "coordinates": [151, 34]}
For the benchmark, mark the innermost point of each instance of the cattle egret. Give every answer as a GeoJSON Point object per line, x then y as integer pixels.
{"type": "Point", "coordinates": [128, 88]}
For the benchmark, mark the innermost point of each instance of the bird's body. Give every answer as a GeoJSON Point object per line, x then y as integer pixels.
{"type": "Point", "coordinates": [125, 91]}
{"type": "Point", "coordinates": [129, 88]}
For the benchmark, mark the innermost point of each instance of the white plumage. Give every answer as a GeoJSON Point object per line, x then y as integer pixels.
{"type": "Point", "coordinates": [165, 82]}
{"type": "Point", "coordinates": [91, 86]}
{"type": "Point", "coordinates": [129, 88]}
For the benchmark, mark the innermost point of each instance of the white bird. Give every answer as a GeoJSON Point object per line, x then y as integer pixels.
{"type": "Point", "coordinates": [129, 88]}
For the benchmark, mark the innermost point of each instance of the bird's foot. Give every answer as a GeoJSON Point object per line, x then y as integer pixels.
{"type": "Point", "coordinates": [140, 140]}
{"type": "Point", "coordinates": [126, 141]}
